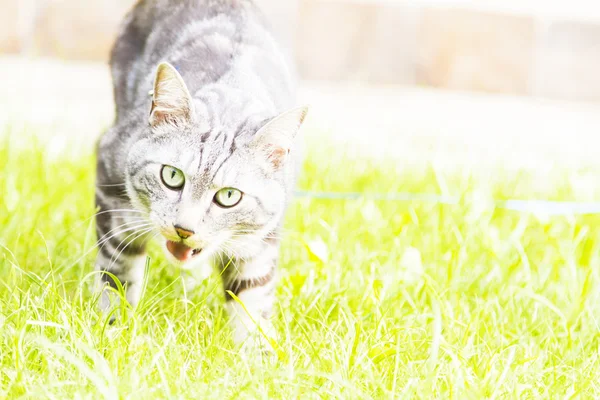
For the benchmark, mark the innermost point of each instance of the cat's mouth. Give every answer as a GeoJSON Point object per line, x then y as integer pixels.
{"type": "Point", "coordinates": [181, 252]}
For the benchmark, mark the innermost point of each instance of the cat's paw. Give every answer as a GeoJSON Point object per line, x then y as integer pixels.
{"type": "Point", "coordinates": [258, 345]}
{"type": "Point", "coordinates": [259, 338]}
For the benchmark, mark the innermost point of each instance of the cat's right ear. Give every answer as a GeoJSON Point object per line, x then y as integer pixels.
{"type": "Point", "coordinates": [275, 139]}
{"type": "Point", "coordinates": [171, 100]}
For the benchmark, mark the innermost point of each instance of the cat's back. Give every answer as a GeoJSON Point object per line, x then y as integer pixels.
{"type": "Point", "coordinates": [206, 40]}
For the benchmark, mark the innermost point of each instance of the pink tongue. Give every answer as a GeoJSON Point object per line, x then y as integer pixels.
{"type": "Point", "coordinates": [179, 250]}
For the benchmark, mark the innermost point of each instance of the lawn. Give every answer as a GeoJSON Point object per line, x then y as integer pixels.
{"type": "Point", "coordinates": [377, 299]}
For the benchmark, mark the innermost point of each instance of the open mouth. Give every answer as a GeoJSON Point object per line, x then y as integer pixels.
{"type": "Point", "coordinates": [180, 251]}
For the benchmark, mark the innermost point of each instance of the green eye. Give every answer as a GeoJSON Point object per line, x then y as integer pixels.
{"type": "Point", "coordinates": [172, 177]}
{"type": "Point", "coordinates": [228, 197]}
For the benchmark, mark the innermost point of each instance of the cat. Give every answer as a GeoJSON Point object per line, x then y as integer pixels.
{"type": "Point", "coordinates": [203, 151]}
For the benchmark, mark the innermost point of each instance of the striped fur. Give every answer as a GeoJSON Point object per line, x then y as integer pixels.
{"type": "Point", "coordinates": [221, 112]}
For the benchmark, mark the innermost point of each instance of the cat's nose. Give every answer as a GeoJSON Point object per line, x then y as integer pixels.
{"type": "Point", "coordinates": [182, 232]}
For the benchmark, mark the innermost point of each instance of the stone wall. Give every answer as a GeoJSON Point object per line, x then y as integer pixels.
{"type": "Point", "coordinates": [383, 42]}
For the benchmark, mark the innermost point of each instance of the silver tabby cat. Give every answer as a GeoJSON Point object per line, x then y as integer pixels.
{"type": "Point", "coordinates": [201, 154]}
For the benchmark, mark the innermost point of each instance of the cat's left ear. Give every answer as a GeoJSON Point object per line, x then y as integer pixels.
{"type": "Point", "coordinates": [275, 139]}
{"type": "Point", "coordinates": [171, 100]}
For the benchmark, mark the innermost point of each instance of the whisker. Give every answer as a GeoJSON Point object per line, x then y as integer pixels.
{"type": "Point", "coordinates": [269, 235]}
{"type": "Point", "coordinates": [138, 220]}
{"type": "Point", "coordinates": [231, 252]}
{"type": "Point", "coordinates": [139, 235]}
{"type": "Point", "coordinates": [128, 229]}
{"type": "Point", "coordinates": [120, 210]}
{"type": "Point", "coordinates": [103, 243]}
{"type": "Point", "coordinates": [112, 185]}
{"type": "Point", "coordinates": [257, 236]}
{"type": "Point", "coordinates": [283, 229]}
{"type": "Point", "coordinates": [77, 226]}
{"type": "Point", "coordinates": [220, 253]}
{"type": "Point", "coordinates": [102, 240]}
{"type": "Point", "coordinates": [150, 238]}
{"type": "Point", "coordinates": [136, 230]}
{"type": "Point", "coordinates": [231, 261]}
{"type": "Point", "coordinates": [119, 191]}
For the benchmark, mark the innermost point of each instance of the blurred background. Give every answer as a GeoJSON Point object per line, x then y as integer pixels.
{"type": "Point", "coordinates": [509, 83]}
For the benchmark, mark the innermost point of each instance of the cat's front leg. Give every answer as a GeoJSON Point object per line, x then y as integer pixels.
{"type": "Point", "coordinates": [129, 270]}
{"type": "Point", "coordinates": [121, 252]}
{"type": "Point", "coordinates": [253, 282]}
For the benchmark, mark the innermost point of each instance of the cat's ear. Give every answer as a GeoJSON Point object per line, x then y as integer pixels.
{"type": "Point", "coordinates": [275, 139]}
{"type": "Point", "coordinates": [171, 100]}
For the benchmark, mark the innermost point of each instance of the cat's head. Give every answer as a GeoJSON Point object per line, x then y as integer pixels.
{"type": "Point", "coordinates": [210, 190]}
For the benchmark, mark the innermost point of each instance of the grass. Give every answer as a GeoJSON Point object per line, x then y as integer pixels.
{"type": "Point", "coordinates": [376, 299]}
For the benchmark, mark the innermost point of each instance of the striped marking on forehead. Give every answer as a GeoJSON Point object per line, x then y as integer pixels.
{"type": "Point", "coordinates": [216, 151]}
{"type": "Point", "coordinates": [226, 107]}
